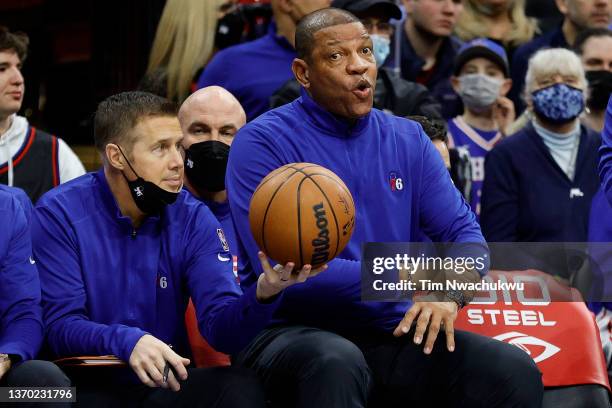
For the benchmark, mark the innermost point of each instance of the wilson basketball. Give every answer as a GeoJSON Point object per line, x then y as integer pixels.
{"type": "Point", "coordinates": [302, 213]}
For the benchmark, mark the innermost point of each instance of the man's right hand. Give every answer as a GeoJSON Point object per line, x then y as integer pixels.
{"type": "Point", "coordinates": [148, 360]}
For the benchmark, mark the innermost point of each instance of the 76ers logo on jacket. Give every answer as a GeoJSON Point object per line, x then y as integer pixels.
{"type": "Point", "coordinates": [395, 181]}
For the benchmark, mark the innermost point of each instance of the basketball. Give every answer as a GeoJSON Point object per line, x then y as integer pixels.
{"type": "Point", "coordinates": [302, 213]}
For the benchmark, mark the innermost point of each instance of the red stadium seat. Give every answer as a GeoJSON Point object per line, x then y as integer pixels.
{"type": "Point", "coordinates": [560, 336]}
{"type": "Point", "coordinates": [203, 354]}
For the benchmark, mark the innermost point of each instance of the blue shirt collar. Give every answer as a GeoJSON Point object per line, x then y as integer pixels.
{"type": "Point", "coordinates": [328, 122]}
{"type": "Point", "coordinates": [279, 39]}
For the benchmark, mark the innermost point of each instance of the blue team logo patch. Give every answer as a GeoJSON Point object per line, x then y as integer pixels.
{"type": "Point", "coordinates": [395, 181]}
{"type": "Point", "coordinates": [221, 236]}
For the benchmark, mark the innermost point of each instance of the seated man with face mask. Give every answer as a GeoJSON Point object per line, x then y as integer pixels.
{"type": "Point", "coordinates": [121, 251]}
{"type": "Point", "coordinates": [393, 93]}
{"type": "Point", "coordinates": [210, 118]}
{"type": "Point", "coordinates": [481, 80]}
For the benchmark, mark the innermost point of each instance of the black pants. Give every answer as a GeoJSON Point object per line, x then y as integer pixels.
{"type": "Point", "coordinates": [222, 387]}
{"type": "Point", "coordinates": [35, 373]}
{"type": "Point", "coordinates": [307, 367]}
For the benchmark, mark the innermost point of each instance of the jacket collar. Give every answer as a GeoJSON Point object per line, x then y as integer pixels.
{"type": "Point", "coordinates": [111, 207]}
{"type": "Point", "coordinates": [328, 122]}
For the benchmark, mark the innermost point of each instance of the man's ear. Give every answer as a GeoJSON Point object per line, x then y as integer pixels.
{"type": "Point", "coordinates": [562, 6]}
{"type": "Point", "coordinates": [114, 156]}
{"type": "Point", "coordinates": [455, 84]}
{"type": "Point", "coordinates": [506, 86]}
{"type": "Point", "coordinates": [300, 71]}
{"type": "Point", "coordinates": [285, 6]}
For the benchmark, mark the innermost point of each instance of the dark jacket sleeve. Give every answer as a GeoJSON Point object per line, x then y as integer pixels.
{"type": "Point", "coordinates": [499, 203]}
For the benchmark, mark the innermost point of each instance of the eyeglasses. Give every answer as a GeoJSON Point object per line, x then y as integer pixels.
{"type": "Point", "coordinates": [381, 26]}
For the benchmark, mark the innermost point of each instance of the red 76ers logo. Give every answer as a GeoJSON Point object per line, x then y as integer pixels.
{"type": "Point", "coordinates": [395, 181]}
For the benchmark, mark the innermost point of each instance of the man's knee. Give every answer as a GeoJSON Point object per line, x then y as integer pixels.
{"type": "Point", "coordinates": [336, 358]}
{"type": "Point", "coordinates": [37, 373]}
{"type": "Point", "coordinates": [509, 376]}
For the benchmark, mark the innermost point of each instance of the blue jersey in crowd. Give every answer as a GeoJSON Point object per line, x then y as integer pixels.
{"type": "Point", "coordinates": [252, 71]}
{"type": "Point", "coordinates": [365, 156]}
{"type": "Point", "coordinates": [605, 164]}
{"type": "Point", "coordinates": [478, 143]}
{"type": "Point", "coordinates": [106, 284]}
{"type": "Point", "coordinates": [21, 327]}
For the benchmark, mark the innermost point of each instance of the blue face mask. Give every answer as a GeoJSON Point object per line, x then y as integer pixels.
{"type": "Point", "coordinates": [559, 103]}
{"type": "Point", "coordinates": [382, 48]}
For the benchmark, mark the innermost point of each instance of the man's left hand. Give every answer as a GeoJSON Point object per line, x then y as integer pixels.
{"type": "Point", "coordinates": [431, 315]}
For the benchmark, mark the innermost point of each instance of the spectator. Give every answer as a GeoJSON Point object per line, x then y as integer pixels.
{"type": "Point", "coordinates": [29, 158]}
{"type": "Point", "coordinates": [336, 347]}
{"type": "Point", "coordinates": [428, 48]}
{"type": "Point", "coordinates": [503, 21]}
{"type": "Point", "coordinates": [436, 131]}
{"type": "Point", "coordinates": [253, 71]}
{"type": "Point", "coordinates": [21, 326]}
{"type": "Point", "coordinates": [456, 159]}
{"type": "Point", "coordinates": [392, 93]}
{"type": "Point", "coordinates": [162, 246]}
{"type": "Point", "coordinates": [578, 15]}
{"type": "Point", "coordinates": [540, 182]}
{"type": "Point", "coordinates": [594, 46]}
{"type": "Point", "coordinates": [184, 43]}
{"type": "Point", "coordinates": [546, 12]}
{"type": "Point", "coordinates": [481, 80]}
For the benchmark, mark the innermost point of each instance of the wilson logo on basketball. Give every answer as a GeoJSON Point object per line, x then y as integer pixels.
{"type": "Point", "coordinates": [321, 243]}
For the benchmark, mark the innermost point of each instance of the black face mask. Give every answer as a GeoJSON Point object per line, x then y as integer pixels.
{"type": "Point", "coordinates": [229, 30]}
{"type": "Point", "coordinates": [149, 197]}
{"type": "Point", "coordinates": [600, 88]}
{"type": "Point", "coordinates": [205, 165]}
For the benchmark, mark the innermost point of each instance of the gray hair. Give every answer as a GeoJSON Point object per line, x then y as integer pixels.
{"type": "Point", "coordinates": [550, 62]}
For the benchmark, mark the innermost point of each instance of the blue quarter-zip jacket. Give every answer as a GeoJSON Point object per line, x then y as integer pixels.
{"type": "Point", "coordinates": [105, 284]}
{"type": "Point", "coordinates": [378, 148]}
{"type": "Point", "coordinates": [605, 154]}
{"type": "Point", "coordinates": [21, 327]}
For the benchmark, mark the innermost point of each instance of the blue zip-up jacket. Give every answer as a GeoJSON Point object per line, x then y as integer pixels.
{"type": "Point", "coordinates": [378, 147]}
{"type": "Point", "coordinates": [22, 197]}
{"type": "Point", "coordinates": [252, 71]}
{"type": "Point", "coordinates": [605, 153]}
{"type": "Point", "coordinates": [21, 327]}
{"type": "Point", "coordinates": [105, 285]}
{"type": "Point", "coordinates": [600, 233]}
{"type": "Point", "coordinates": [526, 196]}
{"type": "Point", "coordinates": [520, 62]}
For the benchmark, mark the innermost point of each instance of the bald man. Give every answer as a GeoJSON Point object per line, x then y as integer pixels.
{"type": "Point", "coordinates": [210, 118]}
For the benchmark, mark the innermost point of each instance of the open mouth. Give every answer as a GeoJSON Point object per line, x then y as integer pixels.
{"type": "Point", "coordinates": [363, 89]}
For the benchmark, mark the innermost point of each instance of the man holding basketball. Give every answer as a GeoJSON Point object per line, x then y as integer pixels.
{"type": "Point", "coordinates": [329, 346]}
{"type": "Point", "coordinates": [121, 251]}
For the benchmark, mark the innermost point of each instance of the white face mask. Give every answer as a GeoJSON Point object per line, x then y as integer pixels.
{"type": "Point", "coordinates": [382, 48]}
{"type": "Point", "coordinates": [479, 91]}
